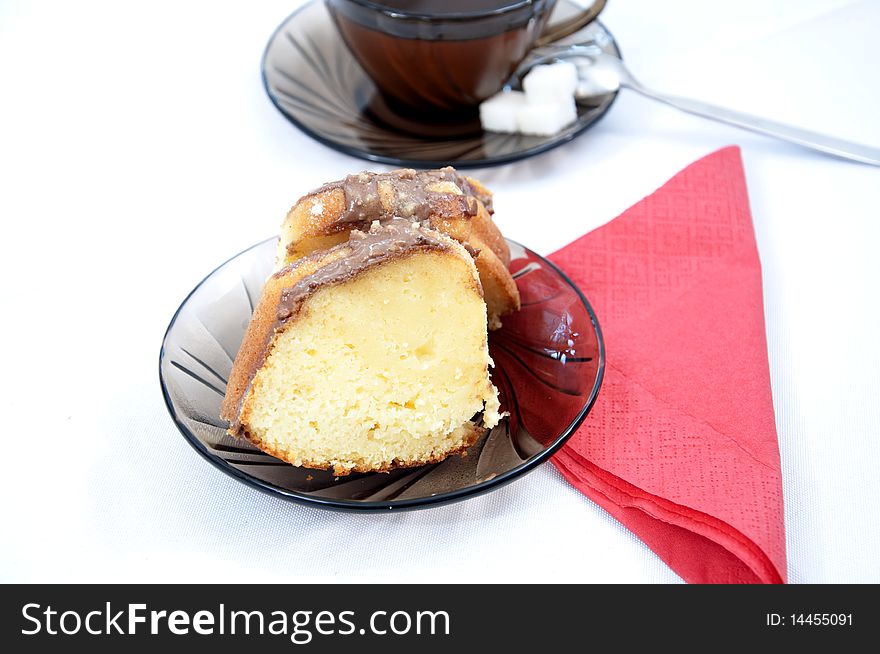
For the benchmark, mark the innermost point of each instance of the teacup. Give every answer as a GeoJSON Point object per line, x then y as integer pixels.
{"type": "Point", "coordinates": [447, 55]}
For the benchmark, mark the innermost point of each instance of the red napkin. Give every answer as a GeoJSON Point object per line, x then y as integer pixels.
{"type": "Point", "coordinates": [681, 445]}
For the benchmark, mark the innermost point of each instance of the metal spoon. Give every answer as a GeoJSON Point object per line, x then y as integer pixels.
{"type": "Point", "coordinates": [602, 73]}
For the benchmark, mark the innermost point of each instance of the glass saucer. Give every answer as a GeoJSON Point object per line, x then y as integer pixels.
{"type": "Point", "coordinates": [312, 78]}
{"type": "Point", "coordinates": [549, 360]}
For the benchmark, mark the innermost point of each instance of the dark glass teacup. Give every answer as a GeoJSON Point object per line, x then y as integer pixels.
{"type": "Point", "coordinates": [447, 55]}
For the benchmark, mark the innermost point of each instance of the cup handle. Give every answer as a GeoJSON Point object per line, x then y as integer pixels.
{"type": "Point", "coordinates": [571, 25]}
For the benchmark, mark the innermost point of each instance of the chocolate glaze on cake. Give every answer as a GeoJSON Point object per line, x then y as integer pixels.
{"type": "Point", "coordinates": [451, 203]}
{"type": "Point", "coordinates": [411, 196]}
{"type": "Point", "coordinates": [381, 243]}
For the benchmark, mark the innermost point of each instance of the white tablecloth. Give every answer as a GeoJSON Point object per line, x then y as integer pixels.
{"type": "Point", "coordinates": [138, 150]}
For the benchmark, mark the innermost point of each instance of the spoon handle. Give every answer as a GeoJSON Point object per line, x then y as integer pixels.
{"type": "Point", "coordinates": [804, 137]}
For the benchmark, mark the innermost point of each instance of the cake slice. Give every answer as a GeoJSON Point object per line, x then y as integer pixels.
{"type": "Point", "coordinates": [456, 205]}
{"type": "Point", "coordinates": [367, 356]}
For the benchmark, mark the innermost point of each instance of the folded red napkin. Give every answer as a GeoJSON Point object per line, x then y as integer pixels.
{"type": "Point", "coordinates": [681, 445]}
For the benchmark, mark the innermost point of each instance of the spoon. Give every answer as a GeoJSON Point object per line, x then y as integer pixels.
{"type": "Point", "coordinates": [602, 74]}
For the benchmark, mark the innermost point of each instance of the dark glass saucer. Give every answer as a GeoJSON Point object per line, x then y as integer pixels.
{"type": "Point", "coordinates": [312, 78]}
{"type": "Point", "coordinates": [549, 360]}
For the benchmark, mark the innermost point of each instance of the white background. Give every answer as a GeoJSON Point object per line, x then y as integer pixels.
{"type": "Point", "coordinates": [138, 150]}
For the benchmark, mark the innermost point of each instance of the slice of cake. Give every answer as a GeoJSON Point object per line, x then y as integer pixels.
{"type": "Point", "coordinates": [449, 202]}
{"type": "Point", "coordinates": [367, 356]}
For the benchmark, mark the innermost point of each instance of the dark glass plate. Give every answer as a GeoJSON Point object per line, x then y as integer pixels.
{"type": "Point", "coordinates": [315, 82]}
{"type": "Point", "coordinates": [549, 360]}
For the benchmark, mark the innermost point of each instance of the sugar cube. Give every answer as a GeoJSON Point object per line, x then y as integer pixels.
{"type": "Point", "coordinates": [551, 82]}
{"type": "Point", "coordinates": [498, 113]}
{"type": "Point", "coordinates": [546, 118]}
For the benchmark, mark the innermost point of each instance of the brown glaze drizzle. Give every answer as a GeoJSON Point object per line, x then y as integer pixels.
{"type": "Point", "coordinates": [410, 196]}
{"type": "Point", "coordinates": [381, 243]}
